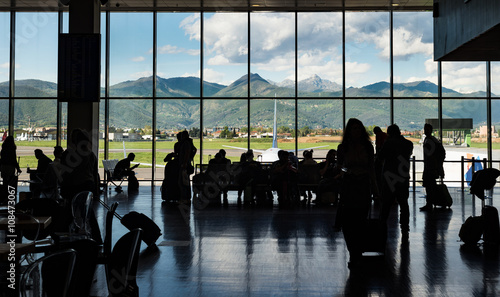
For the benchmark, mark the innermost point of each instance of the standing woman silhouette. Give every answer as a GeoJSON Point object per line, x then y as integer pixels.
{"type": "Point", "coordinates": [356, 158]}
{"type": "Point", "coordinates": [9, 166]}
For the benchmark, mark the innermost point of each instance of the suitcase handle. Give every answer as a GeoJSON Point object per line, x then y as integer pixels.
{"type": "Point", "coordinates": [108, 208]}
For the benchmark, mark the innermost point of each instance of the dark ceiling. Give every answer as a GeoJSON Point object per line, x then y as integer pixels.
{"type": "Point", "coordinates": [228, 5]}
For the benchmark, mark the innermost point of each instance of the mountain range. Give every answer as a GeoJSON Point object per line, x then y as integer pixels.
{"type": "Point", "coordinates": [183, 110]}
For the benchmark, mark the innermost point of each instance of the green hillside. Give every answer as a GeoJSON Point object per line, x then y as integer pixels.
{"type": "Point", "coordinates": [185, 113]}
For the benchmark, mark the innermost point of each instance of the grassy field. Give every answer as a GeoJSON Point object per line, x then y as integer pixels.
{"type": "Point", "coordinates": [208, 144]}
{"type": "Point", "coordinates": [166, 146]}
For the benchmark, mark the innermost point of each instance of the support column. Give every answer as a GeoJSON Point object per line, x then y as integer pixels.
{"type": "Point", "coordinates": [84, 18]}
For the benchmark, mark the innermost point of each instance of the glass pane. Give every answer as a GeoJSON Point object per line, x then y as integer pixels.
{"type": "Point", "coordinates": [495, 120]}
{"type": "Point", "coordinates": [415, 72]}
{"type": "Point", "coordinates": [103, 54]}
{"type": "Point", "coordinates": [367, 54]}
{"type": "Point", "coordinates": [173, 116]}
{"type": "Point", "coordinates": [320, 125]}
{"type": "Point", "coordinates": [495, 79]}
{"type": "Point", "coordinates": [4, 53]}
{"type": "Point", "coordinates": [34, 128]}
{"type": "Point", "coordinates": [178, 55]}
{"type": "Point", "coordinates": [371, 112]}
{"type": "Point", "coordinates": [320, 54]}
{"type": "Point", "coordinates": [223, 123]}
{"type": "Point", "coordinates": [464, 79]}
{"type": "Point", "coordinates": [272, 54]}
{"type": "Point", "coordinates": [225, 54]}
{"type": "Point", "coordinates": [262, 120]}
{"type": "Point", "coordinates": [130, 123]}
{"type": "Point", "coordinates": [131, 61]}
{"type": "Point", "coordinates": [65, 28]}
{"type": "Point", "coordinates": [410, 114]}
{"type": "Point", "coordinates": [102, 130]}
{"type": "Point", "coordinates": [469, 143]}
{"type": "Point", "coordinates": [36, 54]}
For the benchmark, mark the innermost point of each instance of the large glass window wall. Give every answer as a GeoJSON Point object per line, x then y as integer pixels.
{"type": "Point", "coordinates": [4, 53]}
{"type": "Point", "coordinates": [292, 57]}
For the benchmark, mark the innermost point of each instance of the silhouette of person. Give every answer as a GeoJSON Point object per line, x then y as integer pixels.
{"type": "Point", "coordinates": [215, 161]}
{"type": "Point", "coordinates": [328, 171]}
{"type": "Point", "coordinates": [307, 160]}
{"type": "Point", "coordinates": [9, 166]}
{"type": "Point", "coordinates": [356, 157]}
{"type": "Point", "coordinates": [170, 190]}
{"type": "Point", "coordinates": [79, 172]}
{"type": "Point", "coordinates": [123, 169]}
{"type": "Point", "coordinates": [43, 162]}
{"type": "Point", "coordinates": [294, 161]}
{"type": "Point", "coordinates": [186, 153]}
{"type": "Point", "coordinates": [223, 159]}
{"type": "Point", "coordinates": [251, 172]}
{"type": "Point", "coordinates": [434, 155]}
{"type": "Point", "coordinates": [58, 151]}
{"type": "Point", "coordinates": [380, 138]}
{"type": "Point", "coordinates": [243, 159]}
{"type": "Point", "coordinates": [52, 178]}
{"type": "Point", "coordinates": [38, 175]}
{"type": "Point", "coordinates": [283, 179]}
{"type": "Point", "coordinates": [217, 165]}
{"type": "Point", "coordinates": [395, 155]}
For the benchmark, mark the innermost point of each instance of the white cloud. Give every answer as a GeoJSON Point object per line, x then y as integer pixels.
{"type": "Point", "coordinates": [191, 26]}
{"type": "Point", "coordinates": [172, 49]}
{"type": "Point", "coordinates": [320, 37]}
{"type": "Point", "coordinates": [5, 65]}
{"type": "Point", "coordinates": [431, 66]}
{"type": "Point", "coordinates": [138, 59]}
{"type": "Point", "coordinates": [218, 60]}
{"type": "Point", "coordinates": [412, 33]}
{"type": "Point", "coordinates": [277, 64]}
{"type": "Point", "coordinates": [356, 68]}
{"type": "Point", "coordinates": [187, 74]}
{"type": "Point", "coordinates": [320, 63]}
{"type": "Point", "coordinates": [406, 44]}
{"type": "Point", "coordinates": [214, 76]}
{"type": "Point", "coordinates": [464, 77]}
{"type": "Point", "coordinates": [141, 74]}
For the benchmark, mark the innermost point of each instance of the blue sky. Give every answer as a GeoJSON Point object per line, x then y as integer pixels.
{"type": "Point", "coordinates": [272, 48]}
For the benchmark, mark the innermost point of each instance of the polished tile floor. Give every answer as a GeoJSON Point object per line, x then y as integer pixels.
{"type": "Point", "coordinates": [217, 251]}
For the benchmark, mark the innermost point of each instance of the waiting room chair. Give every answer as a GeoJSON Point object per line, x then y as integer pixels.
{"type": "Point", "coordinates": [49, 276]}
{"type": "Point", "coordinates": [122, 265]}
{"type": "Point", "coordinates": [106, 249]}
{"type": "Point", "coordinates": [80, 208]}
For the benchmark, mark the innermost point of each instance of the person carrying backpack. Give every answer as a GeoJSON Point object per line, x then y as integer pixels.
{"type": "Point", "coordinates": [434, 155]}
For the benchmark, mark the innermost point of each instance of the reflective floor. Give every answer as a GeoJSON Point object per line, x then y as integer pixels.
{"type": "Point", "coordinates": [217, 251]}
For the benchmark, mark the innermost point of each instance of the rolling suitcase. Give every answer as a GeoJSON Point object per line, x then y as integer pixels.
{"type": "Point", "coordinates": [150, 230]}
{"type": "Point", "coordinates": [491, 232]}
{"type": "Point", "coordinates": [375, 235]}
{"type": "Point", "coordinates": [440, 196]}
{"type": "Point", "coordinates": [471, 230]}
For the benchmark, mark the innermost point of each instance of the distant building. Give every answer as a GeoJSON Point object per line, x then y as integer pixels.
{"type": "Point", "coordinates": [483, 131]}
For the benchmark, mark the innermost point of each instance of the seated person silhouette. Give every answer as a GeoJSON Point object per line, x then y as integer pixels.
{"type": "Point", "coordinates": [42, 165]}
{"type": "Point", "coordinates": [53, 178]}
{"type": "Point", "coordinates": [123, 169]}
{"type": "Point", "coordinates": [37, 176]}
